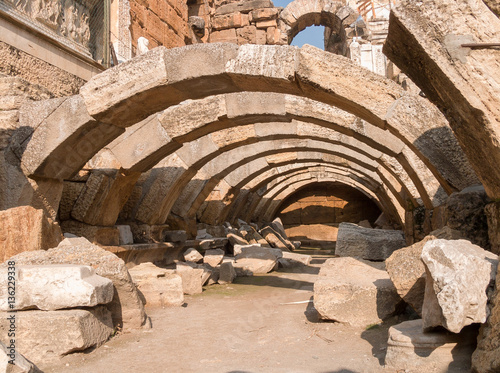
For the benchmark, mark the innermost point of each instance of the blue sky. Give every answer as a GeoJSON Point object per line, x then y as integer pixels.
{"type": "Point", "coordinates": [312, 35]}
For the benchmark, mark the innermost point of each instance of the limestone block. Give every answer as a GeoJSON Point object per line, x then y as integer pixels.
{"type": "Point", "coordinates": [53, 287]}
{"type": "Point", "coordinates": [277, 225]}
{"type": "Point", "coordinates": [125, 234]}
{"type": "Point", "coordinates": [261, 36]}
{"type": "Point", "coordinates": [25, 229]}
{"type": "Point", "coordinates": [300, 258]}
{"type": "Point", "coordinates": [145, 233]}
{"type": "Point", "coordinates": [192, 255]}
{"type": "Point", "coordinates": [191, 278]}
{"type": "Point", "coordinates": [247, 34]}
{"type": "Point", "coordinates": [175, 236]}
{"type": "Point", "coordinates": [411, 349]}
{"type": "Point", "coordinates": [158, 286]}
{"type": "Point", "coordinates": [355, 292]}
{"type": "Point", "coordinates": [227, 274]}
{"type": "Point", "coordinates": [458, 276]}
{"type": "Point", "coordinates": [238, 249]}
{"type": "Point", "coordinates": [43, 336]}
{"type": "Point", "coordinates": [213, 257]}
{"type": "Point", "coordinates": [267, 23]}
{"type": "Point", "coordinates": [243, 6]}
{"type": "Point", "coordinates": [407, 272]}
{"type": "Point", "coordinates": [232, 20]}
{"type": "Point", "coordinates": [492, 211]}
{"type": "Point", "coordinates": [366, 243]}
{"type": "Point", "coordinates": [275, 239]}
{"type": "Point", "coordinates": [254, 260]}
{"type": "Point", "coordinates": [263, 14]}
{"type": "Point", "coordinates": [127, 310]}
{"type": "Point", "coordinates": [104, 235]}
{"type": "Point", "coordinates": [235, 239]}
{"type": "Point", "coordinates": [211, 274]}
{"type": "Point", "coordinates": [21, 364]}
{"type": "Point", "coordinates": [224, 36]}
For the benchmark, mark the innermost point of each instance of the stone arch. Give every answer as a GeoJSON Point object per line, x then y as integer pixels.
{"type": "Point", "coordinates": [335, 15]}
{"type": "Point", "coordinates": [119, 97]}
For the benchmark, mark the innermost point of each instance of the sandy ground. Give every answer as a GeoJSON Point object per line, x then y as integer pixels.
{"type": "Point", "coordinates": [252, 325]}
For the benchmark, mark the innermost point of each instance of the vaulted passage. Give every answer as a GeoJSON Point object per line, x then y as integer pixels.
{"type": "Point", "coordinates": [313, 213]}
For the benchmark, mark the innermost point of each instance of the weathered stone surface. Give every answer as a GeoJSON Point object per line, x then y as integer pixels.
{"type": "Point", "coordinates": [411, 349]}
{"type": "Point", "coordinates": [277, 225]}
{"type": "Point", "coordinates": [366, 243]}
{"type": "Point", "coordinates": [254, 260]}
{"type": "Point", "coordinates": [235, 239]}
{"type": "Point", "coordinates": [191, 278]}
{"type": "Point", "coordinates": [492, 211]}
{"type": "Point", "coordinates": [464, 212]}
{"type": "Point", "coordinates": [69, 331]}
{"type": "Point", "coordinates": [355, 292]}
{"type": "Point", "coordinates": [103, 235]}
{"type": "Point", "coordinates": [159, 287]}
{"type": "Point", "coordinates": [213, 257]}
{"type": "Point", "coordinates": [127, 310]}
{"type": "Point", "coordinates": [227, 274]}
{"type": "Point", "coordinates": [53, 287]}
{"type": "Point", "coordinates": [458, 276]}
{"type": "Point", "coordinates": [486, 358]}
{"type": "Point", "coordinates": [21, 364]}
{"type": "Point", "coordinates": [238, 249]}
{"type": "Point", "coordinates": [192, 255]}
{"type": "Point", "coordinates": [125, 234]}
{"type": "Point", "coordinates": [300, 258]}
{"type": "Point", "coordinates": [275, 239]}
{"type": "Point", "coordinates": [175, 236]}
{"type": "Point", "coordinates": [26, 229]}
{"type": "Point", "coordinates": [407, 272]}
{"type": "Point", "coordinates": [243, 6]}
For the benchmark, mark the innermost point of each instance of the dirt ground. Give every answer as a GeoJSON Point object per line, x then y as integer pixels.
{"type": "Point", "coordinates": [263, 323]}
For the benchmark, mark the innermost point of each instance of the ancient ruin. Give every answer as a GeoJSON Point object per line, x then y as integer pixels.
{"type": "Point", "coordinates": [172, 169]}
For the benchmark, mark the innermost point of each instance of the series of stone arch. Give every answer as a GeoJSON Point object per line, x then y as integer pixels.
{"type": "Point", "coordinates": [168, 131]}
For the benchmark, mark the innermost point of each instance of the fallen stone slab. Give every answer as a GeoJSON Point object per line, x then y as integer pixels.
{"type": "Point", "coordinates": [275, 240]}
{"type": "Point", "coordinates": [175, 236]}
{"type": "Point", "coordinates": [254, 260]}
{"type": "Point", "coordinates": [458, 276]}
{"type": "Point", "coordinates": [213, 277]}
{"type": "Point", "coordinates": [235, 239]}
{"type": "Point", "coordinates": [238, 249]}
{"type": "Point", "coordinates": [366, 243]}
{"type": "Point", "coordinates": [192, 255]}
{"type": "Point", "coordinates": [227, 273]}
{"type": "Point", "coordinates": [11, 361]}
{"type": "Point", "coordinates": [43, 336]}
{"type": "Point", "coordinates": [125, 234]}
{"type": "Point", "coordinates": [26, 229]}
{"type": "Point", "coordinates": [158, 286]}
{"type": "Point", "coordinates": [299, 258]}
{"type": "Point", "coordinates": [127, 309]}
{"type": "Point", "coordinates": [408, 347]}
{"type": "Point", "coordinates": [213, 257]}
{"type": "Point", "coordinates": [191, 278]}
{"type": "Point", "coordinates": [355, 292]}
{"type": "Point", "coordinates": [277, 225]}
{"type": "Point", "coordinates": [407, 271]}
{"type": "Point", "coordinates": [53, 287]}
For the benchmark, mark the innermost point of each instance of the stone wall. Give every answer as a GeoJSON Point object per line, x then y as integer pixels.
{"type": "Point", "coordinates": [314, 213]}
{"type": "Point", "coordinates": [162, 22]}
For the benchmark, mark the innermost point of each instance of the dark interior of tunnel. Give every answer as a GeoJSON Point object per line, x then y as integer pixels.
{"type": "Point", "coordinates": [313, 213]}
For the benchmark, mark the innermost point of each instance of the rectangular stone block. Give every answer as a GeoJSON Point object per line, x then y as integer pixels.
{"type": "Point", "coordinates": [224, 36]}
{"type": "Point", "coordinates": [263, 14]}
{"type": "Point", "coordinates": [232, 20]}
{"type": "Point", "coordinates": [43, 336]}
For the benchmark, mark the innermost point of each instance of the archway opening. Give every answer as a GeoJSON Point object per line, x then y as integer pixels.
{"type": "Point", "coordinates": [312, 214]}
{"type": "Point", "coordinates": [312, 35]}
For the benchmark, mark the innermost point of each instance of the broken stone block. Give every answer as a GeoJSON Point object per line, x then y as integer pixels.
{"type": "Point", "coordinates": [127, 309]}
{"type": "Point", "coordinates": [407, 272]}
{"type": "Point", "coordinates": [175, 236]}
{"type": "Point", "coordinates": [20, 363]}
{"type": "Point", "coordinates": [53, 287]}
{"type": "Point", "coordinates": [254, 260]}
{"type": "Point", "coordinates": [192, 255]}
{"type": "Point", "coordinates": [191, 278]}
{"type": "Point", "coordinates": [238, 249]}
{"type": "Point", "coordinates": [365, 224]}
{"type": "Point", "coordinates": [458, 276]}
{"type": "Point", "coordinates": [299, 258]}
{"type": "Point", "coordinates": [213, 257]}
{"type": "Point", "coordinates": [43, 336]}
{"type": "Point", "coordinates": [277, 225]}
{"type": "Point", "coordinates": [107, 236]}
{"type": "Point", "coordinates": [366, 243]}
{"type": "Point", "coordinates": [159, 286]}
{"type": "Point", "coordinates": [203, 235]}
{"type": "Point", "coordinates": [235, 239]}
{"type": "Point", "coordinates": [274, 239]}
{"type": "Point", "coordinates": [227, 274]}
{"type": "Point", "coordinates": [355, 291]}
{"type": "Point", "coordinates": [26, 229]}
{"type": "Point", "coordinates": [213, 276]}
{"type": "Point", "coordinates": [410, 348]}
{"type": "Point", "coordinates": [125, 234]}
